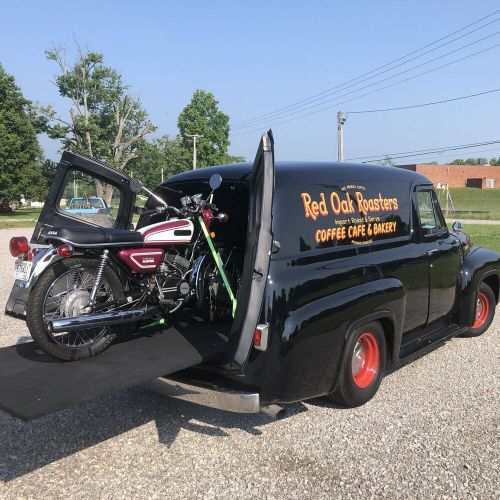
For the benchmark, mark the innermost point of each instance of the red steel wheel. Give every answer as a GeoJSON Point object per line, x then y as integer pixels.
{"type": "Point", "coordinates": [365, 360]}
{"type": "Point", "coordinates": [482, 310]}
{"type": "Point", "coordinates": [362, 366]}
{"type": "Point", "coordinates": [486, 302]}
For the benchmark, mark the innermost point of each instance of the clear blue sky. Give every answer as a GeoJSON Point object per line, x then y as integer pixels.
{"type": "Point", "coordinates": [262, 55]}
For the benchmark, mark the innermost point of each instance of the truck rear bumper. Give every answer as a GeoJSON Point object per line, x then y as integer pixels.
{"type": "Point", "coordinates": [213, 397]}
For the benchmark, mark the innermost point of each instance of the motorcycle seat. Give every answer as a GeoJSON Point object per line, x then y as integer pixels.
{"type": "Point", "coordinates": [85, 237]}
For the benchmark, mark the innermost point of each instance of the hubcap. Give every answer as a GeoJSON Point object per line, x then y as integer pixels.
{"type": "Point", "coordinates": [365, 360]}
{"type": "Point", "coordinates": [482, 310]}
{"type": "Point", "coordinates": [76, 303]}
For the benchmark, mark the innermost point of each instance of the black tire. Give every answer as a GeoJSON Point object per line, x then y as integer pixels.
{"type": "Point", "coordinates": [352, 391]}
{"type": "Point", "coordinates": [216, 307]}
{"type": "Point", "coordinates": [484, 292]}
{"type": "Point", "coordinates": [36, 304]}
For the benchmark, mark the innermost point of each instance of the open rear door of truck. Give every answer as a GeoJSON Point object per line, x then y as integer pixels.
{"type": "Point", "coordinates": [257, 254]}
{"type": "Point", "coordinates": [33, 384]}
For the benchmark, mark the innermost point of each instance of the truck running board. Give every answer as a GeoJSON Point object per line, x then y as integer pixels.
{"type": "Point", "coordinates": [33, 384]}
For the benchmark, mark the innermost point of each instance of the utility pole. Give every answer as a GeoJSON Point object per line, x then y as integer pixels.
{"type": "Point", "coordinates": [194, 137]}
{"type": "Point", "coordinates": [341, 118]}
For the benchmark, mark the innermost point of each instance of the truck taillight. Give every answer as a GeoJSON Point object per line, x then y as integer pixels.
{"type": "Point", "coordinates": [261, 337]}
{"type": "Point", "coordinates": [19, 246]}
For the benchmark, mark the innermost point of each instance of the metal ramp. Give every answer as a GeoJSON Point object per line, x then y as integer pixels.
{"type": "Point", "coordinates": [33, 384]}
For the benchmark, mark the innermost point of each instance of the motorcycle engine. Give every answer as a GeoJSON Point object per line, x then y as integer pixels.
{"type": "Point", "coordinates": [171, 280]}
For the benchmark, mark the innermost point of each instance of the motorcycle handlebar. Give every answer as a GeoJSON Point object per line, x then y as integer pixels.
{"type": "Point", "coordinates": [209, 206]}
{"type": "Point", "coordinates": [169, 208]}
{"type": "Point", "coordinates": [158, 210]}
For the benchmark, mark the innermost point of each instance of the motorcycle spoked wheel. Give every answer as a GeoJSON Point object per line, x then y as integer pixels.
{"type": "Point", "coordinates": [214, 302]}
{"type": "Point", "coordinates": [63, 290]}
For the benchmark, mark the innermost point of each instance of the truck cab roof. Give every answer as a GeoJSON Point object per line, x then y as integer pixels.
{"type": "Point", "coordinates": [298, 172]}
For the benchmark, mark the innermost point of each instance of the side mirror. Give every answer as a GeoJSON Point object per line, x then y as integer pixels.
{"type": "Point", "coordinates": [215, 181]}
{"type": "Point", "coordinates": [135, 186]}
{"type": "Point", "coordinates": [457, 227]}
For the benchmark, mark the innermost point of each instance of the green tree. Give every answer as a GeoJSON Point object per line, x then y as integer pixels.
{"type": "Point", "coordinates": [234, 159]}
{"type": "Point", "coordinates": [104, 121]}
{"type": "Point", "coordinates": [476, 161]}
{"type": "Point", "coordinates": [20, 153]}
{"type": "Point", "coordinates": [164, 154]}
{"type": "Point", "coordinates": [202, 116]}
{"type": "Point", "coordinates": [471, 161]}
{"type": "Point", "coordinates": [387, 161]}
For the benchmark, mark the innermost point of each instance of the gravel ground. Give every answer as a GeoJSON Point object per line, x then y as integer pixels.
{"type": "Point", "coordinates": [431, 431]}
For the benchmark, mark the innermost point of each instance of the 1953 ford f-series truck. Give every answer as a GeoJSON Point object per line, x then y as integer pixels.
{"type": "Point", "coordinates": [339, 272]}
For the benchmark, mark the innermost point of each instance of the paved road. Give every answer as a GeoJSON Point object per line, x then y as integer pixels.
{"type": "Point", "coordinates": [433, 430]}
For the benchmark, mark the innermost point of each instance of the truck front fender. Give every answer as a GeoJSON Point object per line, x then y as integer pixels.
{"type": "Point", "coordinates": [480, 264]}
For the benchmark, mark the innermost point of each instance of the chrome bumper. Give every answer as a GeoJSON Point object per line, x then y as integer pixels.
{"type": "Point", "coordinates": [213, 397]}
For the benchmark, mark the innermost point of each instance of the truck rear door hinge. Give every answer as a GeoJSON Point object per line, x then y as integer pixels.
{"type": "Point", "coordinates": [258, 274]}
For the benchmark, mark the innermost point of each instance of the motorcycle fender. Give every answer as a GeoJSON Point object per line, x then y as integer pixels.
{"type": "Point", "coordinates": [18, 298]}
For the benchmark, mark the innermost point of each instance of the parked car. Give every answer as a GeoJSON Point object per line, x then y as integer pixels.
{"type": "Point", "coordinates": [348, 271]}
{"type": "Point", "coordinates": [87, 205]}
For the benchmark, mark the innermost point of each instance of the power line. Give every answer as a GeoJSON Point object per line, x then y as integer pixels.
{"type": "Point", "coordinates": [291, 113]}
{"type": "Point", "coordinates": [433, 157]}
{"type": "Point", "coordinates": [424, 104]}
{"type": "Point", "coordinates": [422, 152]}
{"type": "Point", "coordinates": [306, 100]}
{"type": "Point", "coordinates": [374, 91]}
{"type": "Point", "coordinates": [249, 123]}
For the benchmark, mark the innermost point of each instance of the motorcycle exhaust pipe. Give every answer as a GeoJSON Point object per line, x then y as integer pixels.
{"type": "Point", "coordinates": [98, 320]}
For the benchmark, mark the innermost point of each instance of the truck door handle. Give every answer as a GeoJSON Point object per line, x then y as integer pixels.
{"type": "Point", "coordinates": [430, 252]}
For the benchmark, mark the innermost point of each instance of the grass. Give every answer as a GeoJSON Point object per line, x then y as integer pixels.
{"type": "Point", "coordinates": [465, 199]}
{"type": "Point", "coordinates": [487, 236]}
{"type": "Point", "coordinates": [9, 220]}
{"type": "Point", "coordinates": [21, 213]}
{"type": "Point", "coordinates": [4, 224]}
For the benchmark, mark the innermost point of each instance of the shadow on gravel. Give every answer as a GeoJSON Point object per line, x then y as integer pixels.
{"type": "Point", "coordinates": [26, 447]}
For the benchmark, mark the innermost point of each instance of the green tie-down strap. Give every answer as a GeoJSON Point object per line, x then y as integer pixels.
{"type": "Point", "coordinates": [219, 264]}
{"type": "Point", "coordinates": [156, 322]}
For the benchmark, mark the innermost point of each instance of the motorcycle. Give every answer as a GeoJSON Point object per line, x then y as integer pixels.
{"type": "Point", "coordinates": [104, 279]}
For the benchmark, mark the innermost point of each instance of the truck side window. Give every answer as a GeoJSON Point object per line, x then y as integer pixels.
{"type": "Point", "coordinates": [430, 221]}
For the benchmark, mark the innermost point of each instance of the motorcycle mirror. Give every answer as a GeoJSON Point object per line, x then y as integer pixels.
{"type": "Point", "coordinates": [222, 217]}
{"type": "Point", "coordinates": [215, 181]}
{"type": "Point", "coordinates": [135, 186]}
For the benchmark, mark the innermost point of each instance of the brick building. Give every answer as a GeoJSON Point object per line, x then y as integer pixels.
{"type": "Point", "coordinates": [480, 176]}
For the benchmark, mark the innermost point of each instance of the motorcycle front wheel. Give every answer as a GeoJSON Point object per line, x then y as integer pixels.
{"type": "Point", "coordinates": [63, 291]}
{"type": "Point", "coordinates": [214, 302]}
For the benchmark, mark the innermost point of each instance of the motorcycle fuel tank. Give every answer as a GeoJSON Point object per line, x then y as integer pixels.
{"type": "Point", "coordinates": [171, 232]}
{"type": "Point", "coordinates": [142, 260]}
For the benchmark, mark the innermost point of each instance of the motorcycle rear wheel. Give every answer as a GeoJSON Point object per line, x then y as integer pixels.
{"type": "Point", "coordinates": [62, 291]}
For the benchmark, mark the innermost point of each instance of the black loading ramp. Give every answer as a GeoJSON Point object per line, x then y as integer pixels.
{"type": "Point", "coordinates": [33, 384]}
